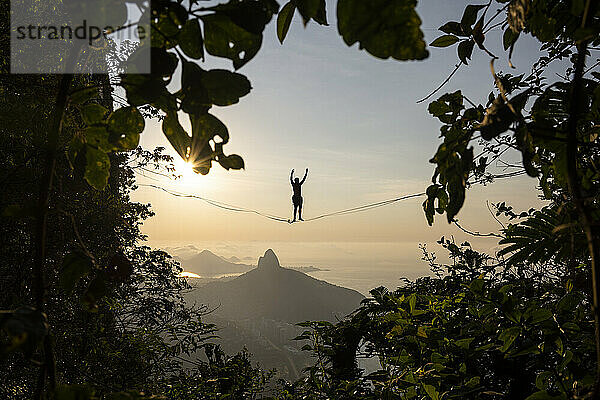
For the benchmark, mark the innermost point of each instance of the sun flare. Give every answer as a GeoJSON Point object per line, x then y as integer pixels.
{"type": "Point", "coordinates": [186, 173]}
{"type": "Point", "coordinates": [186, 274]}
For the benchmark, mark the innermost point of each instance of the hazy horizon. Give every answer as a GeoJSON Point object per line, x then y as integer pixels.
{"type": "Point", "coordinates": [357, 265]}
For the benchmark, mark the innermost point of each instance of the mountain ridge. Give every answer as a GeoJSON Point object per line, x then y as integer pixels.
{"type": "Point", "coordinates": [278, 293]}
{"type": "Point", "coordinates": [208, 264]}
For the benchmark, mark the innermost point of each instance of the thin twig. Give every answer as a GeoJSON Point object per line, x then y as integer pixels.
{"type": "Point", "coordinates": [475, 233]}
{"type": "Point", "coordinates": [78, 236]}
{"type": "Point", "coordinates": [592, 67]}
{"type": "Point", "coordinates": [442, 84]}
{"type": "Point", "coordinates": [494, 214]}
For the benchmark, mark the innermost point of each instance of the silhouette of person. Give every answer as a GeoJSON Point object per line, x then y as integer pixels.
{"type": "Point", "coordinates": [297, 197]}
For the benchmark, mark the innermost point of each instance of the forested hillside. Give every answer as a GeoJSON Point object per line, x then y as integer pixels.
{"type": "Point", "coordinates": [278, 293]}
{"type": "Point", "coordinates": [259, 310]}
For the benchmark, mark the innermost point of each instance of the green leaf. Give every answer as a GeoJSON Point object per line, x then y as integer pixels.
{"type": "Point", "coordinates": [321, 16]}
{"type": "Point", "coordinates": [284, 19]}
{"type": "Point", "coordinates": [193, 94]}
{"type": "Point", "coordinates": [509, 38]}
{"type": "Point", "coordinates": [434, 191]}
{"type": "Point", "coordinates": [567, 358]}
{"type": "Point", "coordinates": [508, 336]}
{"type": "Point", "coordinates": [204, 128]}
{"type": "Point", "coordinates": [190, 39]}
{"type": "Point", "coordinates": [167, 27]}
{"type": "Point", "coordinates": [98, 136]}
{"type": "Point", "coordinates": [540, 314]}
{"type": "Point", "coordinates": [457, 183]}
{"type": "Point", "coordinates": [569, 302]}
{"type": "Point", "coordinates": [465, 50]}
{"type": "Point", "coordinates": [464, 343]}
{"type": "Point", "coordinates": [207, 126]}
{"type": "Point", "coordinates": [126, 119]}
{"type": "Point", "coordinates": [74, 267]}
{"type": "Point", "coordinates": [223, 38]}
{"type": "Point", "coordinates": [384, 28]}
{"type": "Point", "coordinates": [126, 141]}
{"type": "Point", "coordinates": [473, 382]}
{"type": "Point", "coordinates": [470, 16]}
{"type": "Point", "coordinates": [312, 9]}
{"type": "Point", "coordinates": [231, 162]}
{"type": "Point", "coordinates": [452, 27]}
{"type": "Point", "coordinates": [114, 140]}
{"type": "Point", "coordinates": [125, 124]}
{"type": "Point", "coordinates": [431, 392]}
{"type": "Point", "coordinates": [542, 380]}
{"type": "Point", "coordinates": [412, 302]}
{"type": "Point", "coordinates": [512, 312]}
{"type": "Point", "coordinates": [76, 145]}
{"type": "Point", "coordinates": [97, 167]}
{"type": "Point", "coordinates": [476, 286]}
{"type": "Point", "coordinates": [251, 16]}
{"type": "Point", "coordinates": [147, 89]}
{"type": "Point", "coordinates": [93, 113]}
{"type": "Point", "coordinates": [438, 108]}
{"type": "Point", "coordinates": [224, 87]}
{"type": "Point", "coordinates": [444, 41]}
{"type": "Point", "coordinates": [307, 9]}
{"type": "Point", "coordinates": [176, 135]}
{"type": "Point", "coordinates": [497, 120]}
{"type": "Point", "coordinates": [524, 351]}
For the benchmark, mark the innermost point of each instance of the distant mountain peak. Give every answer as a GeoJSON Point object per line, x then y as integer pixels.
{"type": "Point", "coordinates": [277, 293]}
{"type": "Point", "coordinates": [269, 260]}
{"type": "Point", "coordinates": [208, 264]}
{"type": "Point", "coordinates": [209, 255]}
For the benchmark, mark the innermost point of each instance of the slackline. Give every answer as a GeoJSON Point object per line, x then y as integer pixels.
{"type": "Point", "coordinates": [277, 218]}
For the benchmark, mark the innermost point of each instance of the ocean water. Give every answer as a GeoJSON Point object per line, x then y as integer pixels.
{"type": "Point", "coordinates": [360, 266]}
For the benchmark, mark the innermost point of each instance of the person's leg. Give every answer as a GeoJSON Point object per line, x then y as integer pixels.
{"type": "Point", "coordinates": [300, 210]}
{"type": "Point", "coordinates": [295, 211]}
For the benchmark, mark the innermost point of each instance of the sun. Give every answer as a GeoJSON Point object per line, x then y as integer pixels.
{"type": "Point", "coordinates": [186, 172]}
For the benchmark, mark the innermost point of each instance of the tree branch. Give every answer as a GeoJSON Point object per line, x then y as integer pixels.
{"type": "Point", "coordinates": [48, 369]}
{"type": "Point", "coordinates": [590, 229]}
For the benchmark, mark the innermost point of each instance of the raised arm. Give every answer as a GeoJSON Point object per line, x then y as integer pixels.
{"type": "Point", "coordinates": [305, 174]}
{"type": "Point", "coordinates": [292, 176]}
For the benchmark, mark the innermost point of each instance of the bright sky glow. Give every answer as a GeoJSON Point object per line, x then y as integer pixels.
{"type": "Point", "coordinates": [186, 274]}
{"type": "Point", "coordinates": [186, 172]}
